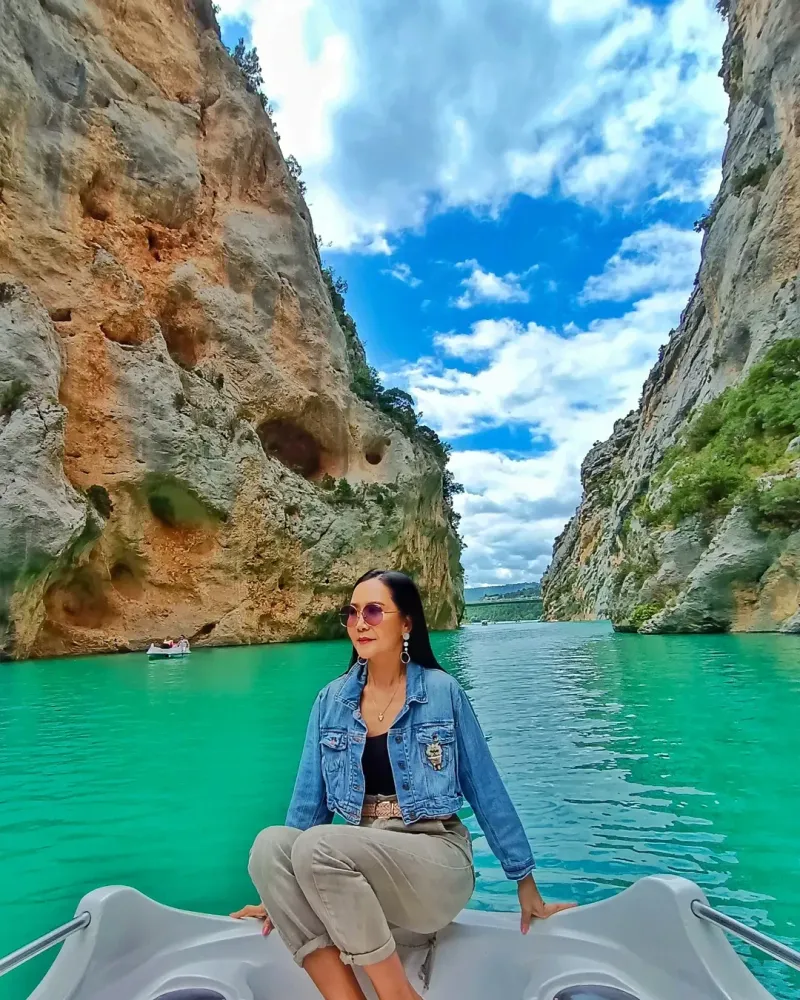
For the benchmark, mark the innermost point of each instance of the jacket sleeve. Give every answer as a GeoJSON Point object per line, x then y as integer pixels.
{"type": "Point", "coordinates": [309, 801]}
{"type": "Point", "coordinates": [484, 790]}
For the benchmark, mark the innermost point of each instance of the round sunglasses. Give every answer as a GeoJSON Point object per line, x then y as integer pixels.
{"type": "Point", "coordinates": [371, 613]}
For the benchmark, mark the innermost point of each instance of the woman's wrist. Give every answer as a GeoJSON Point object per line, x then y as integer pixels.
{"type": "Point", "coordinates": [529, 880]}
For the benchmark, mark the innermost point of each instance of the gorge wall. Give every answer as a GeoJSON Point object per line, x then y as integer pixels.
{"type": "Point", "coordinates": [180, 446]}
{"type": "Point", "coordinates": [690, 517]}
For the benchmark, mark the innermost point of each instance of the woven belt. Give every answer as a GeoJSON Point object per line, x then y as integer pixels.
{"type": "Point", "coordinates": [385, 809]}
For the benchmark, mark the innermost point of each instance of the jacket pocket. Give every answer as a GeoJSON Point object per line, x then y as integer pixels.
{"type": "Point", "coordinates": [436, 747]}
{"type": "Point", "coordinates": [333, 747]}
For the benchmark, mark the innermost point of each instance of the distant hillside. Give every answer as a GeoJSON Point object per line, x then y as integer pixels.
{"type": "Point", "coordinates": [506, 590]}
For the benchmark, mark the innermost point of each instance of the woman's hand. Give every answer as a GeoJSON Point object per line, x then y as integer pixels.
{"type": "Point", "coordinates": [532, 906]}
{"type": "Point", "coordinates": [259, 912]}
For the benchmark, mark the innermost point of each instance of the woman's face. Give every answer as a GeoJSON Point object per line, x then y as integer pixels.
{"type": "Point", "coordinates": [384, 637]}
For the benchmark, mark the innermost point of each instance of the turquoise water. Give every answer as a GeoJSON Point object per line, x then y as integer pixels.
{"type": "Point", "coordinates": [626, 755]}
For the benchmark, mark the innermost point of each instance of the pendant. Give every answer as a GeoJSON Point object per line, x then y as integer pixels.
{"type": "Point", "coordinates": [380, 716]}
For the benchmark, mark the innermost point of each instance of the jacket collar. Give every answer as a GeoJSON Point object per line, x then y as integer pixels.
{"type": "Point", "coordinates": [356, 677]}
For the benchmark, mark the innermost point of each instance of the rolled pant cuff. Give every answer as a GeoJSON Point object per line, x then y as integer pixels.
{"type": "Point", "coordinates": [321, 941]}
{"type": "Point", "coordinates": [370, 957]}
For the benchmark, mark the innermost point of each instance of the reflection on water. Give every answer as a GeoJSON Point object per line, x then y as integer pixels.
{"type": "Point", "coordinates": [626, 755]}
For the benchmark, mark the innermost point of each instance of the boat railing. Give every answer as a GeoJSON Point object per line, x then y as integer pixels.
{"type": "Point", "coordinates": [775, 949]}
{"type": "Point", "coordinates": [46, 941]}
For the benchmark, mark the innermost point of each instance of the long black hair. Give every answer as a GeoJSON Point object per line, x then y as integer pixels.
{"type": "Point", "coordinates": [409, 603]}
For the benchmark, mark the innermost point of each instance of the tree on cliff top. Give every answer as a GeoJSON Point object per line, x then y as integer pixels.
{"type": "Point", "coordinates": [248, 62]}
{"type": "Point", "coordinates": [250, 67]}
{"type": "Point", "coordinates": [295, 172]}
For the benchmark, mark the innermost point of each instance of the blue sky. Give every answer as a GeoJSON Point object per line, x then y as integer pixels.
{"type": "Point", "coordinates": [509, 188]}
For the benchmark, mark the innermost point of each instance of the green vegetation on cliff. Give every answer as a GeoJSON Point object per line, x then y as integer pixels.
{"type": "Point", "coordinates": [643, 613]}
{"type": "Point", "coordinates": [736, 438]}
{"type": "Point", "coordinates": [395, 403]}
{"type": "Point", "coordinates": [11, 395]}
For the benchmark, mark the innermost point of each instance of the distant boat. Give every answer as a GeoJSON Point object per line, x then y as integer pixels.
{"type": "Point", "coordinates": [168, 652]}
{"type": "Point", "coordinates": [484, 623]}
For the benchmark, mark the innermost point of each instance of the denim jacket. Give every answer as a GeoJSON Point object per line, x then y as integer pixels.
{"type": "Point", "coordinates": [438, 754]}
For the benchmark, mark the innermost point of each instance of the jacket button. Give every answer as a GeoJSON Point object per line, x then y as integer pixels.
{"type": "Point", "coordinates": [402, 765]}
{"type": "Point", "coordinates": [398, 739]}
{"type": "Point", "coordinates": [405, 786]}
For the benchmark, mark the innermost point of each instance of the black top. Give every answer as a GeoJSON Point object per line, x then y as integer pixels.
{"type": "Point", "coordinates": [378, 777]}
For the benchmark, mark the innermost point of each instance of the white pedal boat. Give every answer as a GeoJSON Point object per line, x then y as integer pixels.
{"type": "Point", "coordinates": [657, 940]}
{"type": "Point", "coordinates": [154, 652]}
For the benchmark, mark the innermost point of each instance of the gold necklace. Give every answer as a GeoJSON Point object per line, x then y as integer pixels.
{"type": "Point", "coordinates": [389, 702]}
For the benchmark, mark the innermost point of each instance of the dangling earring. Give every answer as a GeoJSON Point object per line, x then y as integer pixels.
{"type": "Point", "coordinates": [404, 657]}
{"type": "Point", "coordinates": [361, 663]}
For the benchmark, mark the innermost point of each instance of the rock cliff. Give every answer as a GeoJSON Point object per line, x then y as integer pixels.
{"type": "Point", "coordinates": [180, 446]}
{"type": "Point", "coordinates": [690, 514]}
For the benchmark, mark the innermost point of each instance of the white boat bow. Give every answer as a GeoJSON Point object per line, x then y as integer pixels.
{"type": "Point", "coordinates": [657, 940]}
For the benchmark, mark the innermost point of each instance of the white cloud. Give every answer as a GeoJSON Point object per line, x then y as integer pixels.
{"type": "Point", "coordinates": [564, 11]}
{"type": "Point", "coordinates": [403, 273]}
{"type": "Point", "coordinates": [485, 286]}
{"type": "Point", "coordinates": [486, 336]}
{"type": "Point", "coordinates": [399, 110]}
{"type": "Point", "coordinates": [377, 245]}
{"type": "Point", "coordinates": [661, 257]}
{"type": "Point", "coordinates": [569, 385]}
{"type": "Point", "coordinates": [562, 388]}
{"type": "Point", "coordinates": [512, 510]}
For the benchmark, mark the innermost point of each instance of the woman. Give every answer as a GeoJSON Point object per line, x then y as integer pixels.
{"type": "Point", "coordinates": [392, 746]}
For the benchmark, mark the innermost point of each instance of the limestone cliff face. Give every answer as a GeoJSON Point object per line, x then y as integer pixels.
{"type": "Point", "coordinates": [174, 386]}
{"type": "Point", "coordinates": [707, 564]}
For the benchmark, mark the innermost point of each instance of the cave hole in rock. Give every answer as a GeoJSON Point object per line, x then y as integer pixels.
{"type": "Point", "coordinates": [126, 578]}
{"type": "Point", "coordinates": [80, 600]}
{"type": "Point", "coordinates": [176, 507]}
{"type": "Point", "coordinates": [96, 197]}
{"type": "Point", "coordinates": [121, 571]}
{"type": "Point", "coordinates": [61, 315]}
{"type": "Point", "coordinates": [101, 500]}
{"type": "Point", "coordinates": [293, 446]}
{"type": "Point", "coordinates": [206, 629]}
{"type": "Point", "coordinates": [375, 451]}
{"type": "Point", "coordinates": [183, 325]}
{"type": "Point", "coordinates": [131, 329]}
{"type": "Point", "coordinates": [154, 244]}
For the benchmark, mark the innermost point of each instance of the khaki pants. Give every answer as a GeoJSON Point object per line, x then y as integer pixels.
{"type": "Point", "coordinates": [348, 886]}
